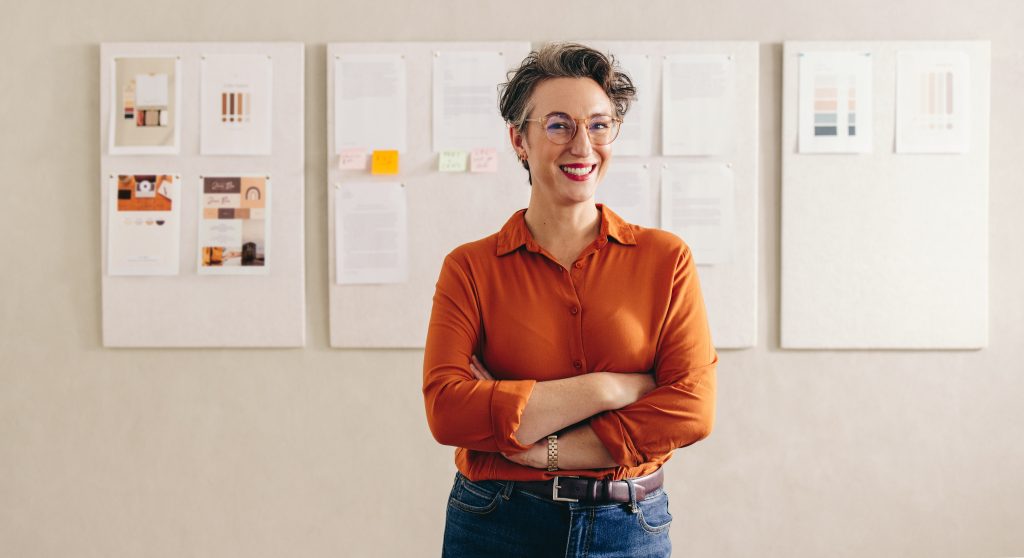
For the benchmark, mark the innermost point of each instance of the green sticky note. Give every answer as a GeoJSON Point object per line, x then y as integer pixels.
{"type": "Point", "coordinates": [452, 160]}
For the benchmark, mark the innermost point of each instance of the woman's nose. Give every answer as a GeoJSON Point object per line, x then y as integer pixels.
{"type": "Point", "coordinates": [580, 145]}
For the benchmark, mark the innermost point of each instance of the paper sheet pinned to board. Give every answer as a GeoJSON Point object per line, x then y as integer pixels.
{"type": "Point", "coordinates": [699, 104]}
{"type": "Point", "coordinates": [236, 105]}
{"type": "Point", "coordinates": [370, 102]}
{"type": "Point", "coordinates": [465, 95]}
{"type": "Point", "coordinates": [836, 102]}
{"type": "Point", "coordinates": [371, 233]}
{"type": "Point", "coordinates": [234, 225]}
{"type": "Point", "coordinates": [144, 220]}
{"type": "Point", "coordinates": [697, 203]}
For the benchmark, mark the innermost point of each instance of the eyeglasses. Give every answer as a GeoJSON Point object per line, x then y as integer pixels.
{"type": "Point", "coordinates": [561, 128]}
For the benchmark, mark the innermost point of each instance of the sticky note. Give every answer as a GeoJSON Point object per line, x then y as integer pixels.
{"type": "Point", "coordinates": [384, 162]}
{"type": "Point", "coordinates": [452, 160]}
{"type": "Point", "coordinates": [483, 160]}
{"type": "Point", "coordinates": [352, 159]}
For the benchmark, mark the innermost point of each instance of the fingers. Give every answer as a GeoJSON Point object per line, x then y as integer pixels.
{"type": "Point", "coordinates": [514, 458]}
{"type": "Point", "coordinates": [479, 373]}
{"type": "Point", "coordinates": [478, 369]}
{"type": "Point", "coordinates": [476, 372]}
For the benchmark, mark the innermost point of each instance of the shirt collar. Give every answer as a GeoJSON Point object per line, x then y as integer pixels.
{"type": "Point", "coordinates": [516, 234]}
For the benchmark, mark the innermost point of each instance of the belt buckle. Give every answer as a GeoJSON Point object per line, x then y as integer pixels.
{"type": "Point", "coordinates": [555, 486]}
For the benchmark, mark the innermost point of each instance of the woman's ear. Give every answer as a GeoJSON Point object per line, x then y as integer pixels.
{"type": "Point", "coordinates": [518, 141]}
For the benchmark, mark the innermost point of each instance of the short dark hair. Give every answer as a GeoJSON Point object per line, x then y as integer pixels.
{"type": "Point", "coordinates": [556, 60]}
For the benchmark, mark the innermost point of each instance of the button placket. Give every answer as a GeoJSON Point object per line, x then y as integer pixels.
{"type": "Point", "coordinates": [575, 317]}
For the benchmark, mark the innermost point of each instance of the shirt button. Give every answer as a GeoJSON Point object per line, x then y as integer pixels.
{"type": "Point", "coordinates": [577, 364]}
{"type": "Point", "coordinates": [579, 265]}
{"type": "Point", "coordinates": [574, 310]}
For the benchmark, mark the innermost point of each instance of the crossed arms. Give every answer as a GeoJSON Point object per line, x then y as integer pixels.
{"type": "Point", "coordinates": [604, 419]}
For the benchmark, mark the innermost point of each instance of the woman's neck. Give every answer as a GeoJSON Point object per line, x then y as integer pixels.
{"type": "Point", "coordinates": [557, 228]}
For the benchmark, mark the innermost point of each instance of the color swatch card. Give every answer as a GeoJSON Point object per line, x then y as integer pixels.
{"type": "Point", "coordinates": [234, 225]}
{"type": "Point", "coordinates": [236, 104]}
{"type": "Point", "coordinates": [143, 225]}
{"type": "Point", "coordinates": [933, 102]}
{"type": "Point", "coordinates": [835, 102]}
{"type": "Point", "coordinates": [145, 119]}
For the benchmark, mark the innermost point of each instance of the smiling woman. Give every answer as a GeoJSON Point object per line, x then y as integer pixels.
{"type": "Point", "coordinates": [567, 355]}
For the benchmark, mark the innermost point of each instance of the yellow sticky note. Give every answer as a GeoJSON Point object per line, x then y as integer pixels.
{"type": "Point", "coordinates": [483, 160]}
{"type": "Point", "coordinates": [452, 160]}
{"type": "Point", "coordinates": [384, 162]}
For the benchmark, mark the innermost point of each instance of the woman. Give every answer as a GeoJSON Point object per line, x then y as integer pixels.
{"type": "Point", "coordinates": [568, 354]}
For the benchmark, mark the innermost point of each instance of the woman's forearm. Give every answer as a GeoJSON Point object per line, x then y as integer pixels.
{"type": "Point", "coordinates": [580, 448]}
{"type": "Point", "coordinates": [556, 404]}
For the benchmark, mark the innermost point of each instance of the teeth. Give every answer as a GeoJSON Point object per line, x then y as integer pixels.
{"type": "Point", "coordinates": [578, 171]}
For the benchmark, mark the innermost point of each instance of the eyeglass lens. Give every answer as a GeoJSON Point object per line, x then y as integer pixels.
{"type": "Point", "coordinates": [561, 129]}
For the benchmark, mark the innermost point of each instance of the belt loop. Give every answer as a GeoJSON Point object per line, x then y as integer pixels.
{"type": "Point", "coordinates": [633, 508]}
{"type": "Point", "coordinates": [507, 491]}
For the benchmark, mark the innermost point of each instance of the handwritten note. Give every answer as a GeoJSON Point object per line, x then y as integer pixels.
{"type": "Point", "coordinates": [352, 159]}
{"type": "Point", "coordinates": [384, 162]}
{"type": "Point", "coordinates": [483, 160]}
{"type": "Point", "coordinates": [452, 160]}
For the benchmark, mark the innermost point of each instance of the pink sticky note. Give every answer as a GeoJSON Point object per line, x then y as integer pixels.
{"type": "Point", "coordinates": [352, 159]}
{"type": "Point", "coordinates": [483, 160]}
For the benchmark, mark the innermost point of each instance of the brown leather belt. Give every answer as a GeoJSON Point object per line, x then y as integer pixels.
{"type": "Point", "coordinates": [575, 489]}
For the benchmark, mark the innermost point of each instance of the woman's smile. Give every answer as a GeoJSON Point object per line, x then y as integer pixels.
{"type": "Point", "coordinates": [579, 172]}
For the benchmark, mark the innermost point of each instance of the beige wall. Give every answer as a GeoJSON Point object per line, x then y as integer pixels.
{"type": "Point", "coordinates": [319, 452]}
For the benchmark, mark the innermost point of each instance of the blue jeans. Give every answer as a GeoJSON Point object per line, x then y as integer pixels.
{"type": "Point", "coordinates": [491, 519]}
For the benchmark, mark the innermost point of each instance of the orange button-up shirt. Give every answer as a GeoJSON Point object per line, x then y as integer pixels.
{"type": "Point", "coordinates": [631, 302]}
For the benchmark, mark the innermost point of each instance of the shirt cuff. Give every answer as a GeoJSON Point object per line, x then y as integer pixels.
{"type": "Point", "coordinates": [508, 399]}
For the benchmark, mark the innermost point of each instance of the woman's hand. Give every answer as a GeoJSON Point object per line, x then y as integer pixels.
{"type": "Point", "coordinates": [536, 456]}
{"type": "Point", "coordinates": [478, 370]}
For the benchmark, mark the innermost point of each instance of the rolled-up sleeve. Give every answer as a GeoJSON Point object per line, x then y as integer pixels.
{"type": "Point", "coordinates": [681, 410]}
{"type": "Point", "coordinates": [481, 415]}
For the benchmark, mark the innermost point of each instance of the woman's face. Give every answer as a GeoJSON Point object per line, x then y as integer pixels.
{"type": "Point", "coordinates": [564, 174]}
